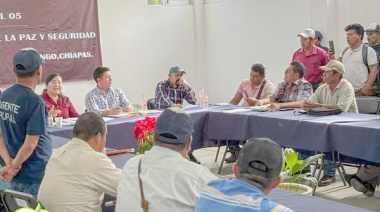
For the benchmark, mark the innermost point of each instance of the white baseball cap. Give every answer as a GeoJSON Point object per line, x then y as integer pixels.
{"type": "Point", "coordinates": [307, 33]}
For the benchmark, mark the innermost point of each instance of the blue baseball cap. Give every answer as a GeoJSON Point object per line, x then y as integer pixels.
{"type": "Point", "coordinates": [26, 60]}
{"type": "Point", "coordinates": [176, 70]}
{"type": "Point", "coordinates": [174, 126]}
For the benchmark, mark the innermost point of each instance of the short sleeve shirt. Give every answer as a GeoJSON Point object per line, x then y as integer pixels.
{"type": "Point", "coordinates": [343, 96]}
{"type": "Point", "coordinates": [312, 62]}
{"type": "Point", "coordinates": [235, 196]}
{"type": "Point", "coordinates": [23, 112]}
{"type": "Point", "coordinates": [249, 91]}
{"type": "Point", "coordinates": [356, 72]}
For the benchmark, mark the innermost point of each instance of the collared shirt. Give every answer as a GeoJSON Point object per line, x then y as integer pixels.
{"type": "Point", "coordinates": [64, 105]}
{"type": "Point", "coordinates": [286, 92]}
{"type": "Point", "coordinates": [167, 96]}
{"type": "Point", "coordinates": [98, 101]}
{"type": "Point", "coordinates": [318, 57]}
{"type": "Point", "coordinates": [246, 88]}
{"type": "Point", "coordinates": [356, 72]}
{"type": "Point", "coordinates": [76, 179]}
{"type": "Point", "coordinates": [235, 196]}
{"type": "Point", "coordinates": [170, 182]}
{"type": "Point", "coordinates": [343, 96]}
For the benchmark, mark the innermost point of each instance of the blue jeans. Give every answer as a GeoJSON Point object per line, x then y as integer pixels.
{"type": "Point", "coordinates": [25, 187]}
{"type": "Point", "coordinates": [327, 172]}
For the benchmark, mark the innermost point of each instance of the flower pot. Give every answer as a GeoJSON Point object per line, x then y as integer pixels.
{"type": "Point", "coordinates": [296, 187]}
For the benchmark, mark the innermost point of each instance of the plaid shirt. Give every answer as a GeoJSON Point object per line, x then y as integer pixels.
{"type": "Point", "coordinates": [98, 101]}
{"type": "Point", "coordinates": [300, 89]}
{"type": "Point", "coordinates": [166, 95]}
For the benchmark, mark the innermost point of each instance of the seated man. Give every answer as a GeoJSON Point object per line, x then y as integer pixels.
{"type": "Point", "coordinates": [365, 179]}
{"type": "Point", "coordinates": [336, 93]}
{"type": "Point", "coordinates": [104, 99]}
{"type": "Point", "coordinates": [78, 174]}
{"type": "Point", "coordinates": [168, 180]}
{"type": "Point", "coordinates": [257, 173]}
{"type": "Point", "coordinates": [291, 93]}
{"type": "Point", "coordinates": [252, 89]}
{"type": "Point", "coordinates": [172, 92]}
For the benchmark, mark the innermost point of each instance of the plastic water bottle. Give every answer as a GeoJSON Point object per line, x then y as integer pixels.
{"type": "Point", "coordinates": [50, 120]}
{"type": "Point", "coordinates": [201, 96]}
{"type": "Point", "coordinates": [144, 103]}
{"type": "Point", "coordinates": [205, 101]}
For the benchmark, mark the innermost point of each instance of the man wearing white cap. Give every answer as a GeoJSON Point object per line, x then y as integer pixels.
{"type": "Point", "coordinates": [336, 93]}
{"type": "Point", "coordinates": [311, 57]}
{"type": "Point", "coordinates": [373, 37]}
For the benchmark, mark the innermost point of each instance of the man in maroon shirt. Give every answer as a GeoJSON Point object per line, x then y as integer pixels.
{"type": "Point", "coordinates": [312, 57]}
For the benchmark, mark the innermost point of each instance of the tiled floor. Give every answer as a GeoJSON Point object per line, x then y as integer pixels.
{"type": "Point", "coordinates": [335, 192]}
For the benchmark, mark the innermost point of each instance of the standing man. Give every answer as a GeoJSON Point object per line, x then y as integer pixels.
{"type": "Point", "coordinates": [25, 144]}
{"type": "Point", "coordinates": [257, 173]}
{"type": "Point", "coordinates": [254, 88]}
{"type": "Point", "coordinates": [168, 180]}
{"type": "Point", "coordinates": [336, 93]}
{"type": "Point", "coordinates": [104, 99]}
{"type": "Point", "coordinates": [373, 37]}
{"type": "Point", "coordinates": [78, 174]}
{"type": "Point", "coordinates": [361, 74]}
{"type": "Point", "coordinates": [172, 92]}
{"type": "Point", "coordinates": [311, 57]}
{"type": "Point", "coordinates": [318, 40]}
{"type": "Point", "coordinates": [291, 93]}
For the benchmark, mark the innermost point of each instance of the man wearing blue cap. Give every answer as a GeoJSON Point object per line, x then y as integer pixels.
{"type": "Point", "coordinates": [169, 182]}
{"type": "Point", "coordinates": [172, 92]}
{"type": "Point", "coordinates": [25, 145]}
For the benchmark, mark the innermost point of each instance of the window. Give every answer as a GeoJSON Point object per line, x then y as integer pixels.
{"type": "Point", "coordinates": [170, 2]}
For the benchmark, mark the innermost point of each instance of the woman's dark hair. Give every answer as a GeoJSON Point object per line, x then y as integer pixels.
{"type": "Point", "coordinates": [50, 78]}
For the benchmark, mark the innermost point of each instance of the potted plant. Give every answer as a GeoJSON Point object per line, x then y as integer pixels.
{"type": "Point", "coordinates": [291, 172]}
{"type": "Point", "coordinates": [144, 131]}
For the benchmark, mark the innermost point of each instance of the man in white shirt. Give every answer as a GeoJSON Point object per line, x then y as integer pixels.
{"type": "Point", "coordinates": [169, 181]}
{"type": "Point", "coordinates": [78, 174]}
{"type": "Point", "coordinates": [361, 74]}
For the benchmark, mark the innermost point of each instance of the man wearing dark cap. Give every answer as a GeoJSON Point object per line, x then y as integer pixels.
{"type": "Point", "coordinates": [25, 145]}
{"type": "Point", "coordinates": [318, 39]}
{"type": "Point", "coordinates": [172, 92]}
{"type": "Point", "coordinates": [168, 180]}
{"type": "Point", "coordinates": [373, 37]}
{"type": "Point", "coordinates": [257, 173]}
{"type": "Point", "coordinates": [311, 57]}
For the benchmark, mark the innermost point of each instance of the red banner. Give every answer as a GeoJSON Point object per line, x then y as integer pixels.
{"type": "Point", "coordinates": [65, 32]}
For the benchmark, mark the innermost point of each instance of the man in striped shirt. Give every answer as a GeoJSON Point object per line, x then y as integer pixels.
{"type": "Point", "coordinates": [257, 173]}
{"type": "Point", "coordinates": [172, 92]}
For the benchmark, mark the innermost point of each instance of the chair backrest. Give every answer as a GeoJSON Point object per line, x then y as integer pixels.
{"type": "Point", "coordinates": [13, 200]}
{"type": "Point", "coordinates": [368, 104]}
{"type": "Point", "coordinates": [151, 103]}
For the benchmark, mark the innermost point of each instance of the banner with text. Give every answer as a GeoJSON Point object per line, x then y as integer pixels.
{"type": "Point", "coordinates": [65, 33]}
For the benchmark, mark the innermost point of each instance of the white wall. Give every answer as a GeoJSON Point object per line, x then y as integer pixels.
{"type": "Point", "coordinates": [243, 32]}
{"type": "Point", "coordinates": [140, 43]}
